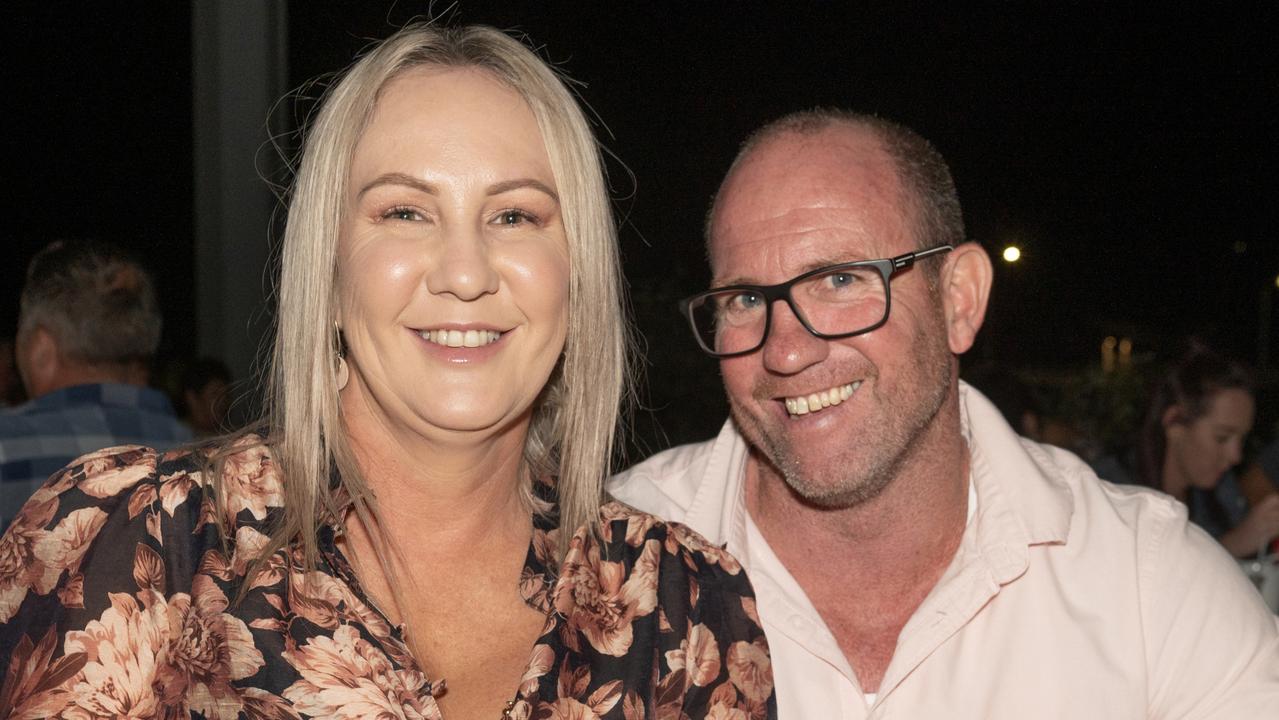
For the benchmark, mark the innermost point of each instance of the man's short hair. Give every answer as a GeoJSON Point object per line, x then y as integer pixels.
{"type": "Point", "coordinates": [98, 303]}
{"type": "Point", "coordinates": [925, 176]}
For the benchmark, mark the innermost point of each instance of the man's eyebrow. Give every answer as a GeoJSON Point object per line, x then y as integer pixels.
{"type": "Point", "coordinates": [399, 179]}
{"type": "Point", "coordinates": [809, 266]}
{"type": "Point", "coordinates": [508, 185]}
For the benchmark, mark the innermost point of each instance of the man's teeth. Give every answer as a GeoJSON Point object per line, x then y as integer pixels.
{"type": "Point", "coordinates": [461, 338]}
{"type": "Point", "coordinates": [805, 404]}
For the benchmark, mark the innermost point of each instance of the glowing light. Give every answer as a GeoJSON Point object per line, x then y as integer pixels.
{"type": "Point", "coordinates": [1012, 254]}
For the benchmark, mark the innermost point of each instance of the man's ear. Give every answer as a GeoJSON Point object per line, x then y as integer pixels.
{"type": "Point", "coordinates": [965, 289]}
{"type": "Point", "coordinates": [39, 362]}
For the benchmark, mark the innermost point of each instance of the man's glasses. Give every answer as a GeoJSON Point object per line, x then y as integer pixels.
{"type": "Point", "coordinates": [832, 302]}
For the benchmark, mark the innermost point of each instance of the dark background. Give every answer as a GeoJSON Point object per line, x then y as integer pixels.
{"type": "Point", "coordinates": [1131, 153]}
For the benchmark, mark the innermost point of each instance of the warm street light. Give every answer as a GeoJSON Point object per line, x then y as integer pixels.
{"type": "Point", "coordinates": [1012, 254]}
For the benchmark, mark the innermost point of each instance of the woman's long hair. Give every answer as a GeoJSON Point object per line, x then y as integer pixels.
{"type": "Point", "coordinates": [574, 422]}
{"type": "Point", "coordinates": [1190, 385]}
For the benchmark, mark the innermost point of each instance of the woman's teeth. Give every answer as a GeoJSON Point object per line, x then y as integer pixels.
{"type": "Point", "coordinates": [460, 338]}
{"type": "Point", "coordinates": [816, 402]}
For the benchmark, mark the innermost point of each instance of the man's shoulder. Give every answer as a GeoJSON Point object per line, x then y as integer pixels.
{"type": "Point", "coordinates": [666, 483]}
{"type": "Point", "coordinates": [680, 460]}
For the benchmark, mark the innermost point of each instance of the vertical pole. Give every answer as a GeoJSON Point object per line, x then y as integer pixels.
{"type": "Point", "coordinates": [1265, 300]}
{"type": "Point", "coordinates": [239, 68]}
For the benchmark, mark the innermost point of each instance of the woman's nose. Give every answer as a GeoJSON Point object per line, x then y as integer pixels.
{"type": "Point", "coordinates": [464, 266]}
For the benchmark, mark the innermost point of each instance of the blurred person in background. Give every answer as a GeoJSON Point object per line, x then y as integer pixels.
{"type": "Point", "coordinates": [206, 387]}
{"type": "Point", "coordinates": [1199, 416]}
{"type": "Point", "coordinates": [10, 384]}
{"type": "Point", "coordinates": [1261, 478]}
{"type": "Point", "coordinates": [1023, 409]}
{"type": "Point", "coordinates": [417, 528]}
{"type": "Point", "coordinates": [88, 327]}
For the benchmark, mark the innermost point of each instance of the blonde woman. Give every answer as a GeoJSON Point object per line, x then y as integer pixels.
{"type": "Point", "coordinates": [416, 529]}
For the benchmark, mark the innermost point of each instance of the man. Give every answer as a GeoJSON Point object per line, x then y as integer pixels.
{"type": "Point", "coordinates": [88, 326]}
{"type": "Point", "coordinates": [206, 389]}
{"type": "Point", "coordinates": [913, 558]}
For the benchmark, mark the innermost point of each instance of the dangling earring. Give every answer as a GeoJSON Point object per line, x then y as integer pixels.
{"type": "Point", "coordinates": [342, 373]}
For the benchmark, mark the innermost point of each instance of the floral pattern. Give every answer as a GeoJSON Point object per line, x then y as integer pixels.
{"type": "Point", "coordinates": [116, 579]}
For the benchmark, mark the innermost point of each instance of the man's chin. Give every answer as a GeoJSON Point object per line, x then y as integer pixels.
{"type": "Point", "coordinates": [834, 493]}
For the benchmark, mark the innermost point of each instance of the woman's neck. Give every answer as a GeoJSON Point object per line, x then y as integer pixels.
{"type": "Point", "coordinates": [441, 489]}
{"type": "Point", "coordinates": [1172, 480]}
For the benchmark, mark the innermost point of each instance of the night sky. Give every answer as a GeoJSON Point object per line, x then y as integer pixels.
{"type": "Point", "coordinates": [1132, 154]}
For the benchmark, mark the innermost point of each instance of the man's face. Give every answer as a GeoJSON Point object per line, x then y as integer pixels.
{"type": "Point", "coordinates": [794, 204]}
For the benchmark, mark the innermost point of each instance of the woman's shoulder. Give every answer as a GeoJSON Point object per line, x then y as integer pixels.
{"type": "Point", "coordinates": [110, 502]}
{"type": "Point", "coordinates": [620, 522]}
{"type": "Point", "coordinates": [133, 479]}
{"type": "Point", "coordinates": [662, 595]}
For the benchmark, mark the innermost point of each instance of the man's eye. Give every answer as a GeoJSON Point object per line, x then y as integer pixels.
{"type": "Point", "coordinates": [842, 279]}
{"type": "Point", "coordinates": [746, 301]}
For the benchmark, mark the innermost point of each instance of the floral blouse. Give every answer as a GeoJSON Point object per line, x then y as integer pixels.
{"type": "Point", "coordinates": [117, 588]}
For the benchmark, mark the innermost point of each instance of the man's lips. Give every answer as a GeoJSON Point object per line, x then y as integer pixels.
{"type": "Point", "coordinates": [818, 401]}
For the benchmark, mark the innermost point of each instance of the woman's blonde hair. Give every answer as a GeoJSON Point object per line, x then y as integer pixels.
{"type": "Point", "coordinates": [574, 422]}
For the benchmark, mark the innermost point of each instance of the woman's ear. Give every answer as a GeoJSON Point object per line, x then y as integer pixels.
{"type": "Point", "coordinates": [965, 290]}
{"type": "Point", "coordinates": [1173, 419]}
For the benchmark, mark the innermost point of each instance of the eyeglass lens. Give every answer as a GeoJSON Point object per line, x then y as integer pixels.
{"type": "Point", "coordinates": [839, 302]}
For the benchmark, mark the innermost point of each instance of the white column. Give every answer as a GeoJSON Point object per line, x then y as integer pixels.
{"type": "Point", "coordinates": [239, 71]}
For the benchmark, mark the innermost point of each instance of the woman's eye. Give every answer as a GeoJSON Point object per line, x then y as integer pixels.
{"type": "Point", "coordinates": [401, 213]}
{"type": "Point", "coordinates": [513, 217]}
{"type": "Point", "coordinates": [510, 218]}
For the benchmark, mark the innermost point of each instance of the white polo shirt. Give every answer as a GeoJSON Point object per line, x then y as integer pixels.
{"type": "Point", "coordinates": [1068, 597]}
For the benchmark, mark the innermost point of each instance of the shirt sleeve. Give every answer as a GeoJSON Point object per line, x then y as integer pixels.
{"type": "Point", "coordinates": [81, 564]}
{"type": "Point", "coordinates": [722, 654]}
{"type": "Point", "coordinates": [657, 622]}
{"type": "Point", "coordinates": [1212, 645]}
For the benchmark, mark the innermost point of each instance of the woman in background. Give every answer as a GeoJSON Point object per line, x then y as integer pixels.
{"type": "Point", "coordinates": [1192, 436]}
{"type": "Point", "coordinates": [423, 499]}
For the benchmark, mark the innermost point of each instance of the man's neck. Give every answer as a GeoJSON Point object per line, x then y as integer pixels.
{"type": "Point", "coordinates": [866, 568]}
{"type": "Point", "coordinates": [82, 374]}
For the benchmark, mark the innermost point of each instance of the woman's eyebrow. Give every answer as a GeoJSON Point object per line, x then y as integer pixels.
{"type": "Point", "coordinates": [399, 179]}
{"type": "Point", "coordinates": [508, 185]}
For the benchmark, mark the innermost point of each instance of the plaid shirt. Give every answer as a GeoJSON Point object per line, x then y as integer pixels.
{"type": "Point", "coordinates": [39, 438]}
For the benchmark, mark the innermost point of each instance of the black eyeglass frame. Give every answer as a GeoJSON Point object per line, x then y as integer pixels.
{"type": "Point", "coordinates": [887, 268]}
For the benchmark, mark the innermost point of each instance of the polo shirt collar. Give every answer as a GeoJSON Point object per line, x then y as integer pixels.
{"type": "Point", "coordinates": [1018, 503]}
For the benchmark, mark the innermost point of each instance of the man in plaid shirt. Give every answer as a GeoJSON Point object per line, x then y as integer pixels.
{"type": "Point", "coordinates": [88, 327]}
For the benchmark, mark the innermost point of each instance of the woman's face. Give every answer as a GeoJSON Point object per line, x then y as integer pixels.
{"type": "Point", "coordinates": [1202, 450]}
{"type": "Point", "coordinates": [453, 265]}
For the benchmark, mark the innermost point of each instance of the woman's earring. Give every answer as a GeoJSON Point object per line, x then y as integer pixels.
{"type": "Point", "coordinates": [342, 373]}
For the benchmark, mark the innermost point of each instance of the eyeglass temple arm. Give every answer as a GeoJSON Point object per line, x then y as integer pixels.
{"type": "Point", "coordinates": [909, 259]}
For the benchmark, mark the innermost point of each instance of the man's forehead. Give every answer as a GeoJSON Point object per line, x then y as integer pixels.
{"type": "Point", "coordinates": [809, 195]}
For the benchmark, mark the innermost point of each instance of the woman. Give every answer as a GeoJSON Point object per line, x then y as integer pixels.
{"type": "Point", "coordinates": [1193, 434]}
{"type": "Point", "coordinates": [424, 504]}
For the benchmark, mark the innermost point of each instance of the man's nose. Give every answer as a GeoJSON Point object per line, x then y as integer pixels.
{"type": "Point", "coordinates": [463, 266]}
{"type": "Point", "coordinates": [789, 347]}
